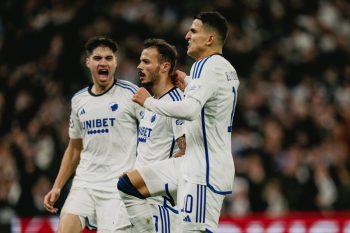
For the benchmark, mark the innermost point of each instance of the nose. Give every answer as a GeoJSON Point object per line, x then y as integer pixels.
{"type": "Point", "coordinates": [103, 62]}
{"type": "Point", "coordinates": [187, 37]}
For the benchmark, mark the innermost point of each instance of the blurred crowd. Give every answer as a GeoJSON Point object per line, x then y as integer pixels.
{"type": "Point", "coordinates": [291, 138]}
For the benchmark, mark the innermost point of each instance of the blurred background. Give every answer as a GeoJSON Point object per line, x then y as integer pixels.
{"type": "Point", "coordinates": [291, 137]}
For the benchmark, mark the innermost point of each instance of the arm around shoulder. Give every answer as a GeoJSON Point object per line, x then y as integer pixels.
{"type": "Point", "coordinates": [187, 109]}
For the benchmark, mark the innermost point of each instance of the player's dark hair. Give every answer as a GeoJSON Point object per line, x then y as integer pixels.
{"type": "Point", "coordinates": [97, 41]}
{"type": "Point", "coordinates": [167, 52]}
{"type": "Point", "coordinates": [216, 21]}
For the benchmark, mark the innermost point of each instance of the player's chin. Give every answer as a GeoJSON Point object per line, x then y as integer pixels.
{"type": "Point", "coordinates": [189, 52]}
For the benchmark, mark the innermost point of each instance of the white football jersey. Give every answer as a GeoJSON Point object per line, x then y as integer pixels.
{"type": "Point", "coordinates": [157, 134]}
{"type": "Point", "coordinates": [208, 158]}
{"type": "Point", "coordinates": [107, 124]}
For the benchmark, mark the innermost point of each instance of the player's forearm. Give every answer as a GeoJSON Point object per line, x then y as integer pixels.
{"type": "Point", "coordinates": [187, 109]}
{"type": "Point", "coordinates": [68, 166]}
{"type": "Point", "coordinates": [181, 143]}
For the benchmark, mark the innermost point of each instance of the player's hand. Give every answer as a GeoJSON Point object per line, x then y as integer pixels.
{"type": "Point", "coordinates": [179, 79]}
{"type": "Point", "coordinates": [140, 96]}
{"type": "Point", "coordinates": [50, 199]}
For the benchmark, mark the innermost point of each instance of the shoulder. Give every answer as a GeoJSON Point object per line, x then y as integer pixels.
{"type": "Point", "coordinates": [206, 64]}
{"type": "Point", "coordinates": [127, 86]}
{"type": "Point", "coordinates": [175, 95]}
{"type": "Point", "coordinates": [81, 93]}
{"type": "Point", "coordinates": [197, 67]}
{"type": "Point", "coordinates": [220, 65]}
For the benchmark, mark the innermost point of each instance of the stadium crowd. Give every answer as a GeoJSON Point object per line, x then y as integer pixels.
{"type": "Point", "coordinates": [291, 137]}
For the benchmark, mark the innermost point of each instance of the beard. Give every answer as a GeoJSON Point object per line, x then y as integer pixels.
{"type": "Point", "coordinates": [154, 78]}
{"type": "Point", "coordinates": [148, 85]}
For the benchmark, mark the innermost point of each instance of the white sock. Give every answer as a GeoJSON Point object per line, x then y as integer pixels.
{"type": "Point", "coordinates": [140, 213]}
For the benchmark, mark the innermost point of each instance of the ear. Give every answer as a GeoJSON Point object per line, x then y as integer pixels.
{"type": "Point", "coordinates": [165, 67]}
{"type": "Point", "coordinates": [87, 62]}
{"type": "Point", "coordinates": [211, 40]}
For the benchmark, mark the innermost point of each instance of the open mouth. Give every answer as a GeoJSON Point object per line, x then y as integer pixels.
{"type": "Point", "coordinates": [142, 75]}
{"type": "Point", "coordinates": [103, 72]}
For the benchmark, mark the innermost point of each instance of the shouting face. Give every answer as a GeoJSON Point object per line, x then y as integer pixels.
{"type": "Point", "coordinates": [102, 64]}
{"type": "Point", "coordinates": [197, 38]}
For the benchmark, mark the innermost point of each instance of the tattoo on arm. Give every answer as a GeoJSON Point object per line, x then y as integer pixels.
{"type": "Point", "coordinates": [181, 142]}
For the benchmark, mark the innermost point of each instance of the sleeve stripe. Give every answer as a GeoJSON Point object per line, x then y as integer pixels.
{"type": "Point", "coordinates": [198, 68]}
{"type": "Point", "coordinates": [177, 94]}
{"type": "Point", "coordinates": [172, 96]}
{"type": "Point", "coordinates": [194, 69]}
{"type": "Point", "coordinates": [127, 85]}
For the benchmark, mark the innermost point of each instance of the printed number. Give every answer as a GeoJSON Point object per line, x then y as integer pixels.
{"type": "Point", "coordinates": [229, 128]}
{"type": "Point", "coordinates": [188, 203]}
{"type": "Point", "coordinates": [156, 222]}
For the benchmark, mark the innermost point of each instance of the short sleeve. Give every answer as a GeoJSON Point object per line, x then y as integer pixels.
{"type": "Point", "coordinates": [75, 130]}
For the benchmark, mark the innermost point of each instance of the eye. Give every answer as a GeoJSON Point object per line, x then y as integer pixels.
{"type": "Point", "coordinates": [97, 58]}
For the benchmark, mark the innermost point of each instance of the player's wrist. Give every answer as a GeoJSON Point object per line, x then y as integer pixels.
{"type": "Point", "coordinates": [148, 102]}
{"type": "Point", "coordinates": [187, 80]}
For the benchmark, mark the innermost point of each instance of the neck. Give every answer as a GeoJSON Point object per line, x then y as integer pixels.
{"type": "Point", "coordinates": [98, 89]}
{"type": "Point", "coordinates": [162, 87]}
{"type": "Point", "coordinates": [210, 51]}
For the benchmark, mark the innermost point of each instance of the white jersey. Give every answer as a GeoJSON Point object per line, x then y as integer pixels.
{"type": "Point", "coordinates": [157, 134]}
{"type": "Point", "coordinates": [107, 124]}
{"type": "Point", "coordinates": [208, 158]}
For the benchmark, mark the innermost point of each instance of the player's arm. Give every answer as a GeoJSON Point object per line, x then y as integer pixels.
{"type": "Point", "coordinates": [181, 143]}
{"type": "Point", "coordinates": [187, 109]}
{"type": "Point", "coordinates": [68, 166]}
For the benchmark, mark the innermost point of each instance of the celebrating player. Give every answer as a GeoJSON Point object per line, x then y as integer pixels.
{"type": "Point", "coordinates": [103, 140]}
{"type": "Point", "coordinates": [207, 168]}
{"type": "Point", "coordinates": [158, 134]}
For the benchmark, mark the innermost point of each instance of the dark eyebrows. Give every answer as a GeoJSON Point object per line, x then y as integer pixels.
{"type": "Point", "coordinates": [145, 60]}
{"type": "Point", "coordinates": [193, 30]}
{"type": "Point", "coordinates": [100, 57]}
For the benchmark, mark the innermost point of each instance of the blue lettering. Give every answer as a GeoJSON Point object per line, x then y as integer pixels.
{"type": "Point", "coordinates": [98, 123]}
{"type": "Point", "coordinates": [149, 132]}
{"type": "Point", "coordinates": [112, 121]}
{"type": "Point", "coordinates": [146, 132]}
{"type": "Point", "coordinates": [88, 124]}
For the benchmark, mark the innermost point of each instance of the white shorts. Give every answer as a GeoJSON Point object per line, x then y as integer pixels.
{"type": "Point", "coordinates": [166, 220]}
{"type": "Point", "coordinates": [97, 209]}
{"type": "Point", "coordinates": [161, 179]}
{"type": "Point", "coordinates": [199, 207]}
